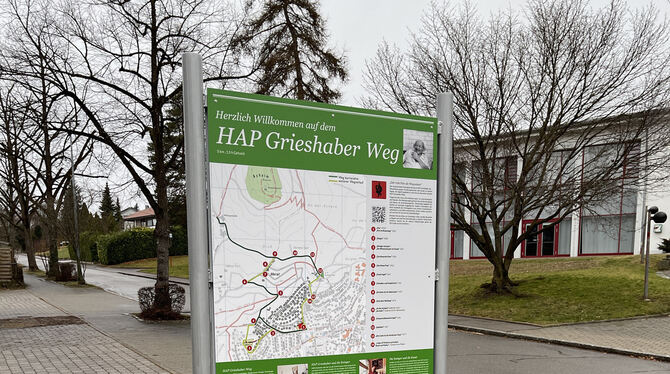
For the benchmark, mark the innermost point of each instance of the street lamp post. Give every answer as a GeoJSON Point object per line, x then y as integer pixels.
{"type": "Point", "coordinates": [658, 217]}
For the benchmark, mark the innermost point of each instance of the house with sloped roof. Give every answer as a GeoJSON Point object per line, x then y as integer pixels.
{"type": "Point", "coordinates": [142, 218]}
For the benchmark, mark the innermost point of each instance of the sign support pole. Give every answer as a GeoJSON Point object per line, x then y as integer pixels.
{"type": "Point", "coordinates": [196, 209]}
{"type": "Point", "coordinates": [445, 151]}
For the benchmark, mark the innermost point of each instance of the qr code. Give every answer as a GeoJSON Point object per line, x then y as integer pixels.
{"type": "Point", "coordinates": [378, 214]}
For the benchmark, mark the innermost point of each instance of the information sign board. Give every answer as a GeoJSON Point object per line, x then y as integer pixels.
{"type": "Point", "coordinates": [322, 237]}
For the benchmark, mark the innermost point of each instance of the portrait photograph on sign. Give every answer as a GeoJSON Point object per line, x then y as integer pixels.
{"type": "Point", "coordinates": [418, 149]}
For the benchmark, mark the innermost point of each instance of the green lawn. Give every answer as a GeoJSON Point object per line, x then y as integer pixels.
{"type": "Point", "coordinates": [560, 290]}
{"type": "Point", "coordinates": [178, 268]}
{"type": "Point", "coordinates": [63, 253]}
{"type": "Point", "coordinates": [551, 291]}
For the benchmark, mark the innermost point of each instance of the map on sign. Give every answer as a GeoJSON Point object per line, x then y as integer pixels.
{"type": "Point", "coordinates": [288, 262]}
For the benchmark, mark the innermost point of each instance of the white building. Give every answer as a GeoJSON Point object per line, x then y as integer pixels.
{"type": "Point", "coordinates": [610, 229]}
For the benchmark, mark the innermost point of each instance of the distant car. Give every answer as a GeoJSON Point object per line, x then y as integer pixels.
{"type": "Point", "coordinates": [64, 243]}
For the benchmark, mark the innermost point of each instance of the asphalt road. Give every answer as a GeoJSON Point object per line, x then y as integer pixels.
{"type": "Point", "coordinates": [111, 280]}
{"type": "Point", "coordinates": [475, 353]}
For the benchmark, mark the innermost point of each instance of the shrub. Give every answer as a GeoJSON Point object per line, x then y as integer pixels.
{"type": "Point", "coordinates": [145, 296]}
{"type": "Point", "coordinates": [136, 244]}
{"type": "Point", "coordinates": [124, 246]}
{"type": "Point", "coordinates": [664, 245]}
{"type": "Point", "coordinates": [88, 245]}
{"type": "Point", "coordinates": [67, 272]}
{"type": "Point", "coordinates": [101, 244]}
{"type": "Point", "coordinates": [179, 245]}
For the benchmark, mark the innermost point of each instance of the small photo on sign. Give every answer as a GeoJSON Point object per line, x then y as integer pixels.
{"type": "Point", "coordinates": [292, 369]}
{"type": "Point", "coordinates": [378, 190]}
{"type": "Point", "coordinates": [417, 149]}
{"type": "Point", "coordinates": [374, 366]}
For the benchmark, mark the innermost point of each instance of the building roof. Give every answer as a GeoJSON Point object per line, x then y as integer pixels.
{"type": "Point", "coordinates": [128, 211]}
{"type": "Point", "coordinates": [146, 213]}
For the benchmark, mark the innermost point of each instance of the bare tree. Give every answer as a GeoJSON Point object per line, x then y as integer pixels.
{"type": "Point", "coordinates": [28, 53]}
{"type": "Point", "coordinates": [550, 109]}
{"type": "Point", "coordinates": [118, 62]}
{"type": "Point", "coordinates": [18, 198]}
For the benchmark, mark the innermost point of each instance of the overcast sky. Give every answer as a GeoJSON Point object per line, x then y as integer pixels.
{"type": "Point", "coordinates": [357, 27]}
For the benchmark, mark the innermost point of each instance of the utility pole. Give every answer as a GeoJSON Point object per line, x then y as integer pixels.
{"type": "Point", "coordinates": [659, 217]}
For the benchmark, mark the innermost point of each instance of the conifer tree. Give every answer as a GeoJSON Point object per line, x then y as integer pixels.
{"type": "Point", "coordinates": [107, 210]}
{"type": "Point", "coordinates": [296, 61]}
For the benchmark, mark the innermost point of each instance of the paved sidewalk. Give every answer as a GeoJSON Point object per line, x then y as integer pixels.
{"type": "Point", "coordinates": [46, 344]}
{"type": "Point", "coordinates": [123, 282]}
{"type": "Point", "coordinates": [166, 343]}
{"type": "Point", "coordinates": [645, 337]}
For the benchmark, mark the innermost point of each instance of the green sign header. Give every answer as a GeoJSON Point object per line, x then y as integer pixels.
{"type": "Point", "coordinates": [266, 131]}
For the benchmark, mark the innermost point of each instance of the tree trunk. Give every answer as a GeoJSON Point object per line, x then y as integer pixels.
{"type": "Point", "coordinates": [162, 302]}
{"type": "Point", "coordinates": [500, 281]}
{"type": "Point", "coordinates": [50, 224]}
{"type": "Point", "coordinates": [29, 248]}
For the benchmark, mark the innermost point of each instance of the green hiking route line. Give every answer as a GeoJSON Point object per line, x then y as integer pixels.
{"type": "Point", "coordinates": [302, 327]}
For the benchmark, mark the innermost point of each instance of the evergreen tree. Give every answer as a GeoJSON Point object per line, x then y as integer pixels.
{"type": "Point", "coordinates": [117, 211]}
{"type": "Point", "coordinates": [107, 204]}
{"type": "Point", "coordinates": [295, 60]}
{"type": "Point", "coordinates": [664, 245]}
{"type": "Point", "coordinates": [107, 211]}
{"type": "Point", "coordinates": [173, 141]}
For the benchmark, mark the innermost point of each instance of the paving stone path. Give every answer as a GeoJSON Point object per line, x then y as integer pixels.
{"type": "Point", "coordinates": [644, 335]}
{"type": "Point", "coordinates": [53, 342]}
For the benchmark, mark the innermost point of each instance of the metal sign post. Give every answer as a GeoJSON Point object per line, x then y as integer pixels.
{"type": "Point", "coordinates": [445, 140]}
{"type": "Point", "coordinates": [386, 171]}
{"type": "Point", "coordinates": [194, 150]}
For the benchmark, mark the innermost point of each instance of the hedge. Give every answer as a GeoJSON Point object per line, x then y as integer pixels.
{"type": "Point", "coordinates": [137, 244]}
{"type": "Point", "coordinates": [179, 245]}
{"type": "Point", "coordinates": [88, 245]}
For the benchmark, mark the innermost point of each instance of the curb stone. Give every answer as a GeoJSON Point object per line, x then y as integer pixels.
{"type": "Point", "coordinates": [559, 342]}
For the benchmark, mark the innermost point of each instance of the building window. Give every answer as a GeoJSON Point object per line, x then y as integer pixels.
{"type": "Point", "coordinates": [457, 237]}
{"type": "Point", "coordinates": [504, 173]}
{"type": "Point", "coordinates": [608, 226]}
